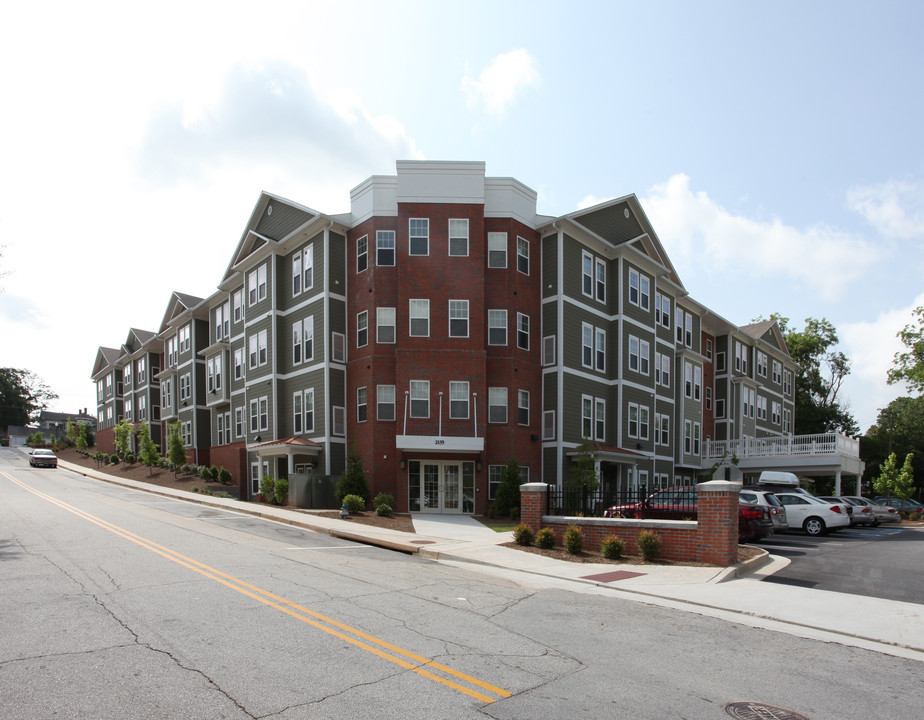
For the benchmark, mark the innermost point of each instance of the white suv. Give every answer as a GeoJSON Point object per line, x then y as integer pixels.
{"type": "Point", "coordinates": [814, 516]}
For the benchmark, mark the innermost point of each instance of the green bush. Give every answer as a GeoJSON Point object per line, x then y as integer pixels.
{"type": "Point", "coordinates": [384, 499]}
{"type": "Point", "coordinates": [130, 458]}
{"type": "Point", "coordinates": [206, 474]}
{"type": "Point", "coordinates": [612, 547]}
{"type": "Point", "coordinates": [522, 534]}
{"type": "Point", "coordinates": [573, 540]}
{"type": "Point", "coordinates": [282, 491]}
{"type": "Point", "coordinates": [224, 476]}
{"type": "Point", "coordinates": [354, 503]}
{"type": "Point", "coordinates": [649, 544]}
{"type": "Point", "coordinates": [353, 480]}
{"type": "Point", "coordinates": [268, 488]}
{"type": "Point", "coordinates": [383, 509]}
{"type": "Point", "coordinates": [113, 459]}
{"type": "Point", "coordinates": [545, 539]}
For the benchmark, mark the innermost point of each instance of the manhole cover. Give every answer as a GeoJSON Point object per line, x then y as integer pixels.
{"type": "Point", "coordinates": [760, 711]}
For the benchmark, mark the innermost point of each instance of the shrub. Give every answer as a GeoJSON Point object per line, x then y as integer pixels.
{"type": "Point", "coordinates": [522, 534]}
{"type": "Point", "coordinates": [354, 503]}
{"type": "Point", "coordinates": [130, 458]}
{"type": "Point", "coordinates": [383, 509]}
{"type": "Point", "coordinates": [224, 476]}
{"type": "Point", "coordinates": [268, 488]}
{"type": "Point", "coordinates": [649, 544]}
{"type": "Point", "coordinates": [214, 469]}
{"type": "Point", "coordinates": [113, 459]}
{"type": "Point", "coordinates": [545, 539]}
{"type": "Point", "coordinates": [353, 480]}
{"type": "Point", "coordinates": [573, 539]}
{"type": "Point", "coordinates": [282, 491]}
{"type": "Point", "coordinates": [612, 547]}
{"type": "Point", "coordinates": [206, 474]}
{"type": "Point", "coordinates": [384, 499]}
{"type": "Point", "coordinates": [914, 517]}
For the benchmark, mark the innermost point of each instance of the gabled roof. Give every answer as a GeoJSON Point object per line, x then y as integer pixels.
{"type": "Point", "coordinates": [105, 359]}
{"type": "Point", "coordinates": [623, 222]}
{"type": "Point", "coordinates": [768, 331]}
{"type": "Point", "coordinates": [273, 220]}
{"type": "Point", "coordinates": [136, 340]}
{"type": "Point", "coordinates": [179, 303]}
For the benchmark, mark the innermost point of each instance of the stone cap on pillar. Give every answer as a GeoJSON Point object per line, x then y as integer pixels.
{"type": "Point", "coordinates": [534, 487]}
{"type": "Point", "coordinates": [715, 486]}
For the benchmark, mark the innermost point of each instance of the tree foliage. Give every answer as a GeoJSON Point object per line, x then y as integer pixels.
{"type": "Point", "coordinates": [23, 396]}
{"type": "Point", "coordinates": [823, 369]}
{"type": "Point", "coordinates": [908, 366]}
{"type": "Point", "coordinates": [123, 434]}
{"type": "Point", "coordinates": [147, 451]}
{"type": "Point", "coordinates": [353, 480]}
{"type": "Point", "coordinates": [899, 428]}
{"type": "Point", "coordinates": [507, 495]}
{"type": "Point", "coordinates": [584, 471]}
{"type": "Point", "coordinates": [894, 481]}
{"type": "Point", "coordinates": [176, 451]}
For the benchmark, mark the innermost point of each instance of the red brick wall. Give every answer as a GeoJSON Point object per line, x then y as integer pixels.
{"type": "Point", "coordinates": [105, 440]}
{"type": "Point", "coordinates": [234, 458]}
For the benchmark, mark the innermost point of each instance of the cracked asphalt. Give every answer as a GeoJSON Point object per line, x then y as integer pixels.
{"type": "Point", "coordinates": [117, 604]}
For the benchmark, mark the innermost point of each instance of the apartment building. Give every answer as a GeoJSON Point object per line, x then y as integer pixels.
{"type": "Point", "coordinates": [107, 376]}
{"type": "Point", "coordinates": [444, 327]}
{"type": "Point", "coordinates": [140, 364]}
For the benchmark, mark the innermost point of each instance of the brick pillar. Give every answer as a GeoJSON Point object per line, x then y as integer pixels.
{"type": "Point", "coordinates": [532, 504]}
{"type": "Point", "coordinates": [717, 527]}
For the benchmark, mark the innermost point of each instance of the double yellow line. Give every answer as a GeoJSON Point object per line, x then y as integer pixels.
{"type": "Point", "coordinates": [392, 653]}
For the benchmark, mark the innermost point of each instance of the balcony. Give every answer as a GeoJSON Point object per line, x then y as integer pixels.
{"type": "Point", "coordinates": [826, 454]}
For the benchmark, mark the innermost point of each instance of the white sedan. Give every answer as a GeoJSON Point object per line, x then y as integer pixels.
{"type": "Point", "coordinates": [814, 516]}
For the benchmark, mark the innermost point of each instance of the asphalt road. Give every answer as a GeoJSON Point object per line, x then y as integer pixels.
{"type": "Point", "coordinates": [883, 562]}
{"type": "Point", "coordinates": [116, 603]}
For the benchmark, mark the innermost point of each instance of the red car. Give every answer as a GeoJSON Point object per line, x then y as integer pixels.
{"type": "Point", "coordinates": [679, 503]}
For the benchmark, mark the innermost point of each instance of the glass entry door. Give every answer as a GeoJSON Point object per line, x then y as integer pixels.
{"type": "Point", "coordinates": [440, 486]}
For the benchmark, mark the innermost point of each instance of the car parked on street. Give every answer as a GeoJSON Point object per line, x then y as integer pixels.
{"type": "Point", "coordinates": [768, 500]}
{"type": "Point", "coordinates": [43, 458]}
{"type": "Point", "coordinates": [813, 515]}
{"type": "Point", "coordinates": [859, 514]}
{"type": "Point", "coordinates": [881, 513]}
{"type": "Point", "coordinates": [901, 504]}
{"type": "Point", "coordinates": [680, 503]}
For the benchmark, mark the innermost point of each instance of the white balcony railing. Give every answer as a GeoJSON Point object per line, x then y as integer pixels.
{"type": "Point", "coordinates": [826, 444]}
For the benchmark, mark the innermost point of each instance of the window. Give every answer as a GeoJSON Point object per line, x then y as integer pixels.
{"type": "Point", "coordinates": [662, 430]}
{"type": "Point", "coordinates": [308, 263]}
{"type": "Point", "coordinates": [761, 364]}
{"type": "Point", "coordinates": [639, 289]}
{"type": "Point", "coordinates": [688, 379]}
{"type": "Point", "coordinates": [548, 425]}
{"type": "Point", "coordinates": [497, 404]}
{"type": "Point", "coordinates": [223, 321]}
{"type": "Point", "coordinates": [697, 382]}
{"type": "Point", "coordinates": [99, 390]}
{"type": "Point", "coordinates": [309, 411]}
{"type": "Point", "coordinates": [297, 273]}
{"type": "Point", "coordinates": [663, 369]}
{"type": "Point", "coordinates": [259, 415]}
{"type": "Point", "coordinates": [777, 372]}
{"type": "Point", "coordinates": [587, 274]}
{"type": "Point", "coordinates": [419, 236]}
{"type": "Point", "coordinates": [239, 363]}
{"type": "Point", "coordinates": [109, 385]}
{"type": "Point", "coordinates": [385, 402]}
{"type": "Point", "coordinates": [361, 404]}
{"type": "Point", "coordinates": [522, 331]}
{"type": "Point", "coordinates": [600, 286]}
{"type": "Point", "coordinates": [420, 398]}
{"type": "Point", "coordinates": [238, 303]}
{"type": "Point", "coordinates": [761, 407]}
{"type": "Point", "coordinates": [227, 428]}
{"type": "Point", "coordinates": [787, 382]}
{"type": "Point", "coordinates": [688, 329]}
{"type": "Point", "coordinates": [458, 400]}
{"type": "Point", "coordinates": [523, 407]}
{"type": "Point", "coordinates": [338, 420]}
{"type": "Point", "coordinates": [599, 419]}
{"type": "Point", "coordinates": [633, 353]}
{"type": "Point", "coordinates": [600, 350]}
{"type": "Point", "coordinates": [127, 411]}
{"type": "Point", "coordinates": [662, 310]}
{"type": "Point", "coordinates": [523, 255]}
{"type": "Point", "coordinates": [458, 318]}
{"type": "Point", "coordinates": [776, 410]}
{"type": "Point", "coordinates": [458, 237]}
{"type": "Point", "coordinates": [696, 437]}
{"type": "Point", "coordinates": [420, 318]}
{"type": "Point", "coordinates": [639, 358]}
{"type": "Point", "coordinates": [127, 374]}
{"type": "Point", "coordinates": [258, 349]}
{"type": "Point", "coordinates": [497, 250]}
{"type": "Point", "coordinates": [587, 345]}
{"type": "Point", "coordinates": [256, 285]}
{"type": "Point", "coordinates": [298, 414]}
{"type": "Point", "coordinates": [688, 436]}
{"type": "Point", "coordinates": [720, 408]}
{"type": "Point", "coordinates": [787, 421]}
{"type": "Point", "coordinates": [362, 253]}
{"type": "Point", "coordinates": [185, 387]}
{"type": "Point", "coordinates": [709, 398]}
{"type": "Point", "coordinates": [548, 350]}
{"type": "Point", "coordinates": [385, 247]}
{"type": "Point", "coordinates": [338, 347]}
{"type": "Point", "coordinates": [497, 327]}
{"type": "Point", "coordinates": [220, 423]}
{"type": "Point", "coordinates": [143, 407]}
{"type": "Point", "coordinates": [587, 409]}
{"type": "Point", "coordinates": [264, 414]}
{"type": "Point", "coordinates": [184, 335]}
{"type": "Point", "coordinates": [362, 329]}
{"type": "Point", "coordinates": [709, 349]}
{"type": "Point", "coordinates": [638, 421]}
{"type": "Point", "coordinates": [213, 373]}
{"type": "Point", "coordinates": [385, 324]}
{"type": "Point", "coordinates": [239, 422]}
{"type": "Point", "coordinates": [720, 362]}
{"type": "Point", "coordinates": [186, 433]}
{"type": "Point", "coordinates": [495, 477]}
{"type": "Point", "coordinates": [741, 358]}
{"type": "Point", "coordinates": [303, 340]}
{"type": "Point", "coordinates": [166, 395]}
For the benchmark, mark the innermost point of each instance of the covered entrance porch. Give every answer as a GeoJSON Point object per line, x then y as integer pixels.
{"type": "Point", "coordinates": [440, 472]}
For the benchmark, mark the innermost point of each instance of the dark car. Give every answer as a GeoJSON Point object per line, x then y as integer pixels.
{"type": "Point", "coordinates": [901, 504]}
{"type": "Point", "coordinates": [680, 503]}
{"type": "Point", "coordinates": [43, 458]}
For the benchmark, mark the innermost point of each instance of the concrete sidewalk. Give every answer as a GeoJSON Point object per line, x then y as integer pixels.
{"type": "Point", "coordinates": [734, 593]}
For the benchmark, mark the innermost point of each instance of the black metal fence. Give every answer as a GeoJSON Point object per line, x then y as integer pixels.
{"type": "Point", "coordinates": [677, 503]}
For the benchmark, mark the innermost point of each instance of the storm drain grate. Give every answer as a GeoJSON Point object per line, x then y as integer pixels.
{"type": "Point", "coordinates": [760, 711]}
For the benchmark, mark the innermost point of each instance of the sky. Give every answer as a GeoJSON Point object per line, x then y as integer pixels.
{"type": "Point", "coordinates": [776, 148]}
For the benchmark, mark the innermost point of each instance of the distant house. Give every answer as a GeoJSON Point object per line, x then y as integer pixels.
{"type": "Point", "coordinates": [54, 424]}
{"type": "Point", "coordinates": [18, 435]}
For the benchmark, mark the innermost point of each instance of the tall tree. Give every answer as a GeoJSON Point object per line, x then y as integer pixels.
{"type": "Point", "coordinates": [823, 369]}
{"type": "Point", "coordinates": [899, 428]}
{"type": "Point", "coordinates": [908, 366]}
{"type": "Point", "coordinates": [176, 450]}
{"type": "Point", "coordinates": [150, 456]}
{"type": "Point", "coordinates": [23, 396]}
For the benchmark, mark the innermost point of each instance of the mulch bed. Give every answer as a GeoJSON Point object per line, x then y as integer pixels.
{"type": "Point", "coordinates": [395, 521]}
{"type": "Point", "coordinates": [745, 552]}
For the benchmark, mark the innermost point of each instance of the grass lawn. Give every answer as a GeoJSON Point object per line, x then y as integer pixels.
{"type": "Point", "coordinates": [498, 524]}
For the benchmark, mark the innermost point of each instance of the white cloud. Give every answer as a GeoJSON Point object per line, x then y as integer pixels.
{"type": "Point", "coordinates": [694, 227]}
{"type": "Point", "coordinates": [590, 200]}
{"type": "Point", "coordinates": [498, 84]}
{"type": "Point", "coordinates": [895, 208]}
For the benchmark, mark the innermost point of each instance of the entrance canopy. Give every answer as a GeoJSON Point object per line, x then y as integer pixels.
{"type": "Point", "coordinates": [432, 443]}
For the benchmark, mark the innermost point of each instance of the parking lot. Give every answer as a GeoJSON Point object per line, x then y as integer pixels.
{"type": "Point", "coordinates": [883, 562]}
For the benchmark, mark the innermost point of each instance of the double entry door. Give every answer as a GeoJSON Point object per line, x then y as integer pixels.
{"type": "Point", "coordinates": [441, 486]}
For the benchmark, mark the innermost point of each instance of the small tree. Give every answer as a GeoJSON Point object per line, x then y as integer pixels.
{"type": "Point", "coordinates": [83, 441]}
{"type": "Point", "coordinates": [123, 434]}
{"type": "Point", "coordinates": [148, 452]}
{"type": "Point", "coordinates": [353, 480]}
{"type": "Point", "coordinates": [176, 451]}
{"type": "Point", "coordinates": [71, 432]}
{"type": "Point", "coordinates": [895, 482]}
{"type": "Point", "coordinates": [507, 495]}
{"type": "Point", "coordinates": [584, 471]}
{"type": "Point", "coordinates": [36, 439]}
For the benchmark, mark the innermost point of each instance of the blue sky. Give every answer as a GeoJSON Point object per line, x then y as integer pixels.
{"type": "Point", "coordinates": [776, 147]}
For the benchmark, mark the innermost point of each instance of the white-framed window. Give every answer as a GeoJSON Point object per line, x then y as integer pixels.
{"type": "Point", "coordinates": [663, 369]}
{"type": "Point", "coordinates": [497, 249]}
{"type": "Point", "coordinates": [761, 363]}
{"type": "Point", "coordinates": [458, 237]}
{"type": "Point", "coordinates": [639, 355]}
{"type": "Point", "coordinates": [220, 426]}
{"type": "Point", "coordinates": [385, 248]}
{"type": "Point", "coordinates": [688, 379]}
{"type": "Point", "coordinates": [298, 413]}
{"type": "Point", "coordinates": [639, 289]}
{"type": "Point", "coordinates": [600, 280]}
{"type": "Point", "coordinates": [599, 350]}
{"type": "Point", "coordinates": [238, 302]}
{"type": "Point", "coordinates": [777, 376]}
{"type": "Point", "coordinates": [223, 321]}
{"type": "Point", "coordinates": [548, 425]}
{"type": "Point", "coordinates": [185, 336]}
{"type": "Point", "coordinates": [227, 417]}
{"type": "Point", "coordinates": [548, 350]}
{"type": "Point", "coordinates": [127, 374]}
{"type": "Point", "coordinates": [419, 236]}
{"type": "Point", "coordinates": [337, 347]}
{"type": "Point", "coordinates": [385, 402]}
{"type": "Point", "coordinates": [239, 363]}
{"type": "Point", "coordinates": [497, 327]}
{"type": "Point", "coordinates": [99, 390]}
{"type": "Point", "coordinates": [362, 329]}
{"type": "Point", "coordinates": [776, 410]}
{"type": "Point", "coordinates": [109, 415]}
{"type": "Point", "coordinates": [600, 419]}
{"type": "Point", "coordinates": [587, 345]}
{"type": "Point", "coordinates": [497, 404]}
{"type": "Point", "coordinates": [338, 420]}
{"type": "Point", "coordinates": [587, 274]}
{"type": "Point", "coordinates": [688, 329]}
{"type": "Point", "coordinates": [166, 394]}
{"type": "Point", "coordinates": [385, 318]}
{"type": "Point", "coordinates": [751, 399]}
{"type": "Point", "coordinates": [720, 362]}
{"type": "Point", "coordinates": [697, 433]}
{"type": "Point", "coordinates": [239, 422]}
{"type": "Point", "coordinates": [709, 398]}
{"type": "Point", "coordinates": [787, 421]}
{"type": "Point", "coordinates": [458, 400]}
{"type": "Point", "coordinates": [787, 382]}
{"type": "Point", "coordinates": [420, 398]}
{"type": "Point", "coordinates": [709, 349]}
{"type": "Point", "coordinates": [213, 373]}
{"type": "Point", "coordinates": [495, 477]}
{"type": "Point", "coordinates": [256, 285]}
{"type": "Point", "coordinates": [523, 407]}
{"type": "Point", "coordinates": [297, 273]}
{"type": "Point", "coordinates": [720, 407]}
{"type": "Point", "coordinates": [458, 318]}
{"type": "Point", "coordinates": [185, 386]}
{"type": "Point", "coordinates": [523, 255]}
{"type": "Point", "coordinates": [662, 429]}
{"type": "Point", "coordinates": [362, 253]}
{"type": "Point", "coordinates": [108, 385]}
{"type": "Point", "coordinates": [638, 421]}
{"type": "Point", "coordinates": [741, 358]}
{"type": "Point", "coordinates": [127, 410]}
{"type": "Point", "coordinates": [688, 436]}
{"type": "Point", "coordinates": [662, 310]}
{"type": "Point", "coordinates": [761, 407]}
{"type": "Point", "coordinates": [258, 345]}
{"type": "Point", "coordinates": [420, 318]}
{"type": "Point", "coordinates": [697, 382]}
{"type": "Point", "coordinates": [186, 433]}
{"type": "Point", "coordinates": [308, 264]}
{"type": "Point", "coordinates": [587, 416]}
{"type": "Point", "coordinates": [309, 410]}
{"type": "Point", "coordinates": [303, 340]}
{"type": "Point", "coordinates": [523, 331]}
{"type": "Point", "coordinates": [362, 404]}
